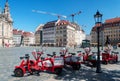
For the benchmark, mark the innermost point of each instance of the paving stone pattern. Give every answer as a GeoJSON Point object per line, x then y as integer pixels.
{"type": "Point", "coordinates": [9, 58]}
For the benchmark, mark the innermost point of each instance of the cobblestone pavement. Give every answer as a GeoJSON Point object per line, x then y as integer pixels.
{"type": "Point", "coordinates": [9, 57]}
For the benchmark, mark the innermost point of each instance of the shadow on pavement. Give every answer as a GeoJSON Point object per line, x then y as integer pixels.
{"type": "Point", "coordinates": [118, 63]}
{"type": "Point", "coordinates": [88, 74]}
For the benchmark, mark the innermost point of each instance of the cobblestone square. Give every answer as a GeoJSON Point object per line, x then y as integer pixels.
{"type": "Point", "coordinates": [9, 58]}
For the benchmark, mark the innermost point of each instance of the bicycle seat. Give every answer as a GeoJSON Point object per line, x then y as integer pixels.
{"type": "Point", "coordinates": [73, 53]}
{"type": "Point", "coordinates": [49, 55]}
{"type": "Point", "coordinates": [78, 51]}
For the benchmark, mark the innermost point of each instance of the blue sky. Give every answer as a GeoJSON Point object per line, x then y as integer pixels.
{"type": "Point", "coordinates": [25, 19]}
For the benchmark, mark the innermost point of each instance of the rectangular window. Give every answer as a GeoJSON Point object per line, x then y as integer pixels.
{"type": "Point", "coordinates": [64, 40]}
{"type": "Point", "coordinates": [64, 35]}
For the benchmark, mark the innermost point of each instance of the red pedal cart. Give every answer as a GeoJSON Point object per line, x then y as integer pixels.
{"type": "Point", "coordinates": [90, 58]}
{"type": "Point", "coordinates": [51, 63]}
{"type": "Point", "coordinates": [108, 57]}
{"type": "Point", "coordinates": [71, 59]}
{"type": "Point", "coordinates": [26, 66]}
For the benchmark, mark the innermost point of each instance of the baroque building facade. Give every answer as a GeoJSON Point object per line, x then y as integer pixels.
{"type": "Point", "coordinates": [6, 26]}
{"type": "Point", "coordinates": [28, 39]}
{"type": "Point", "coordinates": [23, 38]}
{"type": "Point", "coordinates": [62, 33]}
{"type": "Point", "coordinates": [111, 29]}
{"type": "Point", "coordinates": [49, 31]}
{"type": "Point", "coordinates": [17, 34]}
{"type": "Point", "coordinates": [65, 34]}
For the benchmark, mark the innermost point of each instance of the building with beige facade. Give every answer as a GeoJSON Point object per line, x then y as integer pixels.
{"type": "Point", "coordinates": [65, 34]}
{"type": "Point", "coordinates": [28, 39]}
{"type": "Point", "coordinates": [62, 33]}
{"type": "Point", "coordinates": [38, 35]}
{"type": "Point", "coordinates": [23, 38]}
{"type": "Point", "coordinates": [110, 28]}
{"type": "Point", "coordinates": [6, 27]}
{"type": "Point", "coordinates": [17, 34]}
{"type": "Point", "coordinates": [69, 34]}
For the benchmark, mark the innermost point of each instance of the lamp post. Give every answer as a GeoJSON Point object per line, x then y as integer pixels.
{"type": "Point", "coordinates": [102, 38]}
{"type": "Point", "coordinates": [22, 40]}
{"type": "Point", "coordinates": [98, 19]}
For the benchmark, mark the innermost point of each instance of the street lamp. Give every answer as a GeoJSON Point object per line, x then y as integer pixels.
{"type": "Point", "coordinates": [22, 41]}
{"type": "Point", "coordinates": [98, 19]}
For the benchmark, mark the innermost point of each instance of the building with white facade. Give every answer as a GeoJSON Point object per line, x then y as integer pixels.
{"type": "Point", "coordinates": [22, 38]}
{"type": "Point", "coordinates": [28, 38]}
{"type": "Point", "coordinates": [49, 31]}
{"type": "Point", "coordinates": [69, 34]}
{"type": "Point", "coordinates": [79, 37]}
{"type": "Point", "coordinates": [17, 37]}
{"type": "Point", "coordinates": [6, 27]}
{"type": "Point", "coordinates": [62, 33]}
{"type": "Point", "coordinates": [65, 34]}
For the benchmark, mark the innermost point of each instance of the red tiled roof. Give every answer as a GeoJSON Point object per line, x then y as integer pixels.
{"type": "Point", "coordinates": [14, 31]}
{"type": "Point", "coordinates": [95, 27]}
{"type": "Point", "coordinates": [21, 32]}
{"type": "Point", "coordinates": [62, 22]}
{"type": "Point", "coordinates": [50, 24]}
{"type": "Point", "coordinates": [108, 21]}
{"type": "Point", "coordinates": [28, 34]}
{"type": "Point", "coordinates": [65, 22]}
{"type": "Point", "coordinates": [17, 32]}
{"type": "Point", "coordinates": [112, 20]}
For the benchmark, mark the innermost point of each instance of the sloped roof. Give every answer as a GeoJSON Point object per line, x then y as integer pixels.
{"type": "Point", "coordinates": [96, 26]}
{"type": "Point", "coordinates": [21, 32]}
{"type": "Point", "coordinates": [112, 20]}
{"type": "Point", "coordinates": [62, 22]}
{"type": "Point", "coordinates": [65, 22]}
{"type": "Point", "coordinates": [50, 24]}
{"type": "Point", "coordinates": [17, 32]}
{"type": "Point", "coordinates": [39, 27]}
{"type": "Point", "coordinates": [28, 34]}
